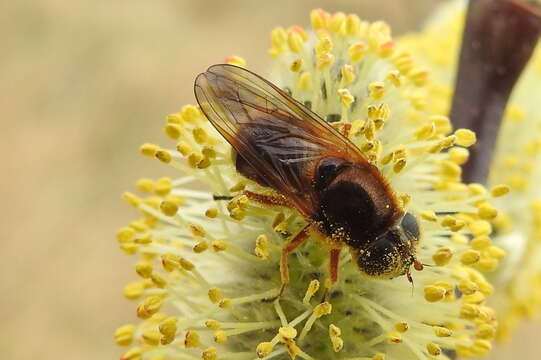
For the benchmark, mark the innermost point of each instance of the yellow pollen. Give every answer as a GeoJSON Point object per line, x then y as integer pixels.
{"type": "Point", "coordinates": [168, 208]}
{"type": "Point", "coordinates": [125, 235]}
{"type": "Point", "coordinates": [173, 131]}
{"type": "Point", "coordinates": [433, 349]}
{"type": "Point", "coordinates": [338, 23]}
{"type": "Point", "coordinates": [263, 349]}
{"type": "Point", "coordinates": [467, 287]}
{"type": "Point", "coordinates": [297, 65]}
{"type": "Point", "coordinates": [133, 354]}
{"type": "Point", "coordinates": [378, 356]}
{"type": "Point", "coordinates": [174, 119]}
{"type": "Point", "coordinates": [470, 257]}
{"type": "Point", "coordinates": [124, 335]}
{"type": "Point", "coordinates": [191, 113]}
{"type": "Point", "coordinates": [210, 354]}
{"type": "Point", "coordinates": [469, 311]}
{"type": "Point", "coordinates": [184, 148]}
{"type": "Point", "coordinates": [496, 252]}
{"type": "Point", "coordinates": [394, 78]}
{"type": "Point", "coordinates": [442, 256]}
{"type": "Point", "coordinates": [215, 295]}
{"type": "Point", "coordinates": [425, 132]}
{"type": "Point", "coordinates": [348, 75]}
{"type": "Point", "coordinates": [459, 155]}
{"type": "Point", "coordinates": [192, 339]}
{"type": "Point", "coordinates": [144, 269]}
{"type": "Point", "coordinates": [353, 25]}
{"type": "Point", "coordinates": [485, 331]}
{"type": "Point", "coordinates": [376, 89]}
{"type": "Point", "coordinates": [441, 331]}
{"type": "Point", "coordinates": [149, 149]}
{"type": "Point", "coordinates": [345, 97]}
{"type": "Point", "coordinates": [158, 280]}
{"type": "Point", "coordinates": [319, 19]}
{"type": "Point", "coordinates": [434, 293]}
{"type": "Point", "coordinates": [262, 247]}
{"type": "Point", "coordinates": [219, 245]}
{"type": "Point", "coordinates": [401, 327]}
{"type": "Point", "coordinates": [394, 337]}
{"type": "Point", "coordinates": [465, 137]}
{"type": "Point", "coordinates": [287, 332]}
{"type": "Point", "coordinates": [145, 185]}
{"type": "Point", "coordinates": [357, 51]}
{"type": "Point", "coordinates": [399, 165]}
{"type": "Point", "coordinates": [428, 215]}
{"type": "Point", "coordinates": [151, 337]}
{"type": "Point", "coordinates": [499, 190]}
{"type": "Point", "coordinates": [211, 213]}
{"type": "Point", "coordinates": [480, 227]}
{"type": "Point", "coordinates": [149, 307]}
{"type": "Point", "coordinates": [164, 156]}
{"type": "Point", "coordinates": [324, 61]}
{"type": "Point", "coordinates": [324, 308]}
{"type": "Point", "coordinates": [134, 290]}
{"type": "Point", "coordinates": [480, 242]}
{"type": "Point", "coordinates": [200, 247]}
{"type": "Point", "coordinates": [295, 42]}
{"type": "Point", "coordinates": [220, 337]}
{"type": "Point", "coordinates": [131, 199]}
{"type": "Point", "coordinates": [213, 324]}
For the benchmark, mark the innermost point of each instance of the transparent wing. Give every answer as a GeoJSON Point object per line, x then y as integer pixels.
{"type": "Point", "coordinates": [280, 139]}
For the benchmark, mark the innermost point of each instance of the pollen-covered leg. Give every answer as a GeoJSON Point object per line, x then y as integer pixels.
{"type": "Point", "coordinates": [272, 200]}
{"type": "Point", "coordinates": [294, 243]}
{"type": "Point", "coordinates": [334, 260]}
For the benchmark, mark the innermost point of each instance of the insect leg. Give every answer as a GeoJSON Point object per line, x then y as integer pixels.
{"type": "Point", "coordinates": [272, 200]}
{"type": "Point", "coordinates": [294, 243]}
{"type": "Point", "coordinates": [334, 260]}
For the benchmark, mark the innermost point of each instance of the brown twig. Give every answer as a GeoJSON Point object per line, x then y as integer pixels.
{"type": "Point", "coordinates": [498, 40]}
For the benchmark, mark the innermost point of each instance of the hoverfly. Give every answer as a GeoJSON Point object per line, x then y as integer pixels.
{"type": "Point", "coordinates": [283, 145]}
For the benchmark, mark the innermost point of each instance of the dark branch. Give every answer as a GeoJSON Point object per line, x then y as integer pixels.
{"type": "Point", "coordinates": [498, 40]}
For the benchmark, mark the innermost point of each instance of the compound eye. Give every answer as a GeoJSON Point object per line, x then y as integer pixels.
{"type": "Point", "coordinates": [410, 225]}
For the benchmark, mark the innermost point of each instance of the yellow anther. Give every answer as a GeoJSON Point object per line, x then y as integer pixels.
{"type": "Point", "coordinates": [149, 149]}
{"type": "Point", "coordinates": [215, 295]}
{"type": "Point", "coordinates": [124, 335]}
{"type": "Point", "coordinates": [434, 293]}
{"type": "Point", "coordinates": [235, 60]}
{"type": "Point", "coordinates": [324, 61]}
{"type": "Point", "coordinates": [419, 76]}
{"type": "Point", "coordinates": [459, 155]}
{"type": "Point", "coordinates": [394, 78]}
{"type": "Point", "coordinates": [441, 331]}
{"type": "Point", "coordinates": [394, 337]}
{"type": "Point", "coordinates": [450, 169]}
{"type": "Point", "coordinates": [486, 288]}
{"type": "Point", "coordinates": [131, 199]}
{"type": "Point", "coordinates": [376, 89]}
{"type": "Point", "coordinates": [386, 48]}
{"type": "Point", "coordinates": [338, 23]}
{"type": "Point", "coordinates": [469, 311]}
{"type": "Point", "coordinates": [467, 287]}
{"type": "Point", "coordinates": [173, 131]}
{"type": "Point", "coordinates": [470, 257]}
{"type": "Point", "coordinates": [213, 324]}
{"type": "Point", "coordinates": [295, 42]}
{"type": "Point", "coordinates": [433, 349]}
{"type": "Point", "coordinates": [297, 65]}
{"type": "Point", "coordinates": [428, 215]}
{"type": "Point", "coordinates": [262, 247]}
{"type": "Point", "coordinates": [288, 332]}
{"type": "Point", "coordinates": [485, 331]}
{"type": "Point", "coordinates": [197, 230]}
{"type": "Point", "coordinates": [425, 132]}
{"type": "Point", "coordinates": [184, 148]}
{"type": "Point", "coordinates": [278, 38]}
{"type": "Point", "coordinates": [125, 235]}
{"type": "Point", "coordinates": [174, 119]}
{"type": "Point", "coordinates": [192, 339]}
{"type": "Point", "coordinates": [151, 337]}
{"type": "Point", "coordinates": [499, 190]}
{"type": "Point", "coordinates": [465, 137]}
{"type": "Point", "coordinates": [496, 252]}
{"type": "Point", "coordinates": [164, 156]}
{"type": "Point", "coordinates": [133, 354]}
{"type": "Point", "coordinates": [334, 330]}
{"type": "Point", "coordinates": [237, 214]}
{"type": "Point", "coordinates": [399, 165]}
{"type": "Point", "coordinates": [263, 349]}
{"type": "Point", "coordinates": [481, 347]}
{"type": "Point", "coordinates": [477, 189]}
{"type": "Point", "coordinates": [143, 239]}
{"type": "Point", "coordinates": [337, 343]}
{"type": "Point", "coordinates": [158, 280]}
{"type": "Point", "coordinates": [219, 245]}
{"type": "Point", "coordinates": [224, 303]}
{"type": "Point", "coordinates": [348, 75]}
{"type": "Point", "coordinates": [200, 135]}
{"type": "Point", "coordinates": [378, 356]}
{"type": "Point", "coordinates": [313, 287]}
{"type": "Point", "coordinates": [220, 337]}
{"type": "Point", "coordinates": [480, 227]}
{"type": "Point", "coordinates": [402, 326]}
{"type": "Point", "coordinates": [144, 269]}
{"type": "Point", "coordinates": [149, 307]}
{"type": "Point", "coordinates": [345, 97]}
{"type": "Point", "coordinates": [190, 113]}
{"type": "Point", "coordinates": [324, 46]}
{"type": "Point", "coordinates": [324, 308]}
{"type": "Point", "coordinates": [305, 81]}
{"type": "Point", "coordinates": [443, 124]}
{"type": "Point", "coordinates": [357, 51]}
{"type": "Point", "coordinates": [200, 247]}
{"type": "Point", "coordinates": [319, 19]}
{"type": "Point", "coordinates": [168, 208]}
{"type": "Point", "coordinates": [168, 327]}
{"type": "Point", "coordinates": [211, 213]}
{"type": "Point", "coordinates": [186, 265]}
{"type": "Point", "coordinates": [145, 185]}
{"type": "Point", "coordinates": [134, 290]}
{"type": "Point", "coordinates": [353, 25]}
{"type": "Point", "coordinates": [139, 226]}
{"type": "Point", "coordinates": [210, 354]}
{"type": "Point", "coordinates": [480, 242]}
{"type": "Point", "coordinates": [476, 298]}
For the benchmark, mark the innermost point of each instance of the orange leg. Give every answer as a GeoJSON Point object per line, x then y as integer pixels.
{"type": "Point", "coordinates": [278, 200]}
{"type": "Point", "coordinates": [346, 127]}
{"type": "Point", "coordinates": [334, 259]}
{"type": "Point", "coordinates": [294, 243]}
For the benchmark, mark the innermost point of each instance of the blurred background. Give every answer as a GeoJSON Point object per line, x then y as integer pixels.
{"type": "Point", "coordinates": [83, 84]}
